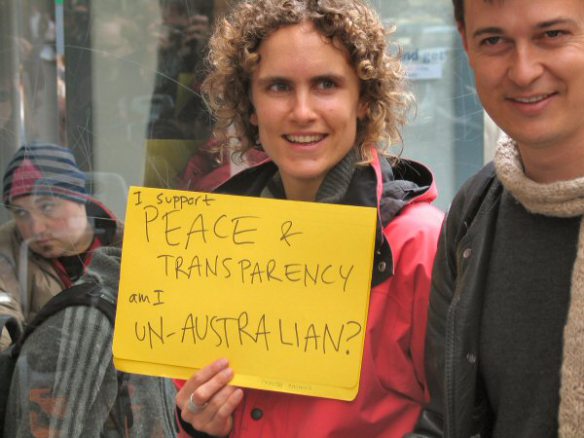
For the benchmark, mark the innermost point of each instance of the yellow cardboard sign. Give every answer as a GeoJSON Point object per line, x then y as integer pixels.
{"type": "Point", "coordinates": [280, 288]}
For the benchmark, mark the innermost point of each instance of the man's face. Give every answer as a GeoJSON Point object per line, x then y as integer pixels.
{"type": "Point", "coordinates": [528, 58]}
{"type": "Point", "coordinates": [53, 227]}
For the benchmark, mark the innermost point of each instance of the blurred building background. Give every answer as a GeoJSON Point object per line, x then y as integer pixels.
{"type": "Point", "coordinates": [117, 82]}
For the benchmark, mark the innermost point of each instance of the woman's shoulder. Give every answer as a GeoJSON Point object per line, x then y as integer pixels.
{"type": "Point", "coordinates": [419, 216]}
{"type": "Point", "coordinates": [417, 225]}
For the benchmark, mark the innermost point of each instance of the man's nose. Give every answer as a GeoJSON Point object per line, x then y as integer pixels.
{"type": "Point", "coordinates": [526, 66]}
{"type": "Point", "coordinates": [37, 224]}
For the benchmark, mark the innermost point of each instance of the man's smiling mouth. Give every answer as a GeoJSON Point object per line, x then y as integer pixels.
{"type": "Point", "coordinates": [532, 99]}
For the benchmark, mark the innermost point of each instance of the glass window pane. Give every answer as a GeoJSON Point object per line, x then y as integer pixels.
{"type": "Point", "coordinates": [447, 130]}
{"type": "Point", "coordinates": [117, 82]}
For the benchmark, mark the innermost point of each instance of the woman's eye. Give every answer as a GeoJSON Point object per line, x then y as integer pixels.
{"type": "Point", "coordinates": [279, 86]}
{"type": "Point", "coordinates": [327, 84]}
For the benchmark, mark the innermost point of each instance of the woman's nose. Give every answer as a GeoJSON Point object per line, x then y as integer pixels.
{"type": "Point", "coordinates": [303, 107]}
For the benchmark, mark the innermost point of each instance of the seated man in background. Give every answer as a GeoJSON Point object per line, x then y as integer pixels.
{"type": "Point", "coordinates": [56, 228]}
{"type": "Point", "coordinates": [65, 383]}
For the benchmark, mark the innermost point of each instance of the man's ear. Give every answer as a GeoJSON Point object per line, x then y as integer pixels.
{"type": "Point", "coordinates": [462, 33]}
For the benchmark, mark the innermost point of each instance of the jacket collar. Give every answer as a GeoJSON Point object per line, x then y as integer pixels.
{"type": "Point", "coordinates": [379, 185]}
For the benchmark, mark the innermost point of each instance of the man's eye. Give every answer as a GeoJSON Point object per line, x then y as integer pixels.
{"type": "Point", "coordinates": [47, 207]}
{"type": "Point", "coordinates": [491, 41]}
{"type": "Point", "coordinates": [554, 33]}
{"type": "Point", "coordinates": [19, 214]}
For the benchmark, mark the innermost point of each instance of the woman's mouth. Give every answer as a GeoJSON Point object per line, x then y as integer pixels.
{"type": "Point", "coordinates": [304, 139]}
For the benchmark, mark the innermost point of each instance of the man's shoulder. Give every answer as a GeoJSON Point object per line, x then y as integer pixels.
{"type": "Point", "coordinates": [69, 330]}
{"type": "Point", "coordinates": [472, 193]}
{"type": "Point", "coordinates": [9, 240]}
{"type": "Point", "coordinates": [480, 181]}
{"type": "Point", "coordinates": [7, 231]}
{"type": "Point", "coordinates": [478, 194]}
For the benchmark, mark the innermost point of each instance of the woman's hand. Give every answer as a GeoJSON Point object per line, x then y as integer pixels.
{"type": "Point", "coordinates": [207, 401]}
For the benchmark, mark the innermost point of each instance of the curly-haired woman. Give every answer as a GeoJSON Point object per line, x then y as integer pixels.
{"type": "Point", "coordinates": [313, 84]}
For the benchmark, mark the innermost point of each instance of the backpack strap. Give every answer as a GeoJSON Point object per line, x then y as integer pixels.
{"type": "Point", "coordinates": [82, 294]}
{"type": "Point", "coordinates": [11, 324]}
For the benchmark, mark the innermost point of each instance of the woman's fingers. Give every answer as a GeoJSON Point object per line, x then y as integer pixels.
{"type": "Point", "coordinates": [223, 420]}
{"type": "Point", "coordinates": [196, 380]}
{"type": "Point", "coordinates": [207, 390]}
{"type": "Point", "coordinates": [207, 401]}
{"type": "Point", "coordinates": [215, 417]}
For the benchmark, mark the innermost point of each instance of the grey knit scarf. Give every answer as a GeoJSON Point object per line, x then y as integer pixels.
{"type": "Point", "coordinates": [334, 186]}
{"type": "Point", "coordinates": [558, 199]}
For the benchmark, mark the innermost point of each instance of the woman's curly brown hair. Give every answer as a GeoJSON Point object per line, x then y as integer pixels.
{"type": "Point", "coordinates": [233, 57]}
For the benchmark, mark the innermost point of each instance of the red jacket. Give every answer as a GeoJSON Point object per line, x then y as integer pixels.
{"type": "Point", "coordinates": [392, 388]}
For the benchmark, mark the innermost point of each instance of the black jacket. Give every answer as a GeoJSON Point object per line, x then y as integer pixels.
{"type": "Point", "coordinates": [458, 408]}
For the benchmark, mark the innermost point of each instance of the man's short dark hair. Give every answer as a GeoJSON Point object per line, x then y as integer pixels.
{"type": "Point", "coordinates": [459, 10]}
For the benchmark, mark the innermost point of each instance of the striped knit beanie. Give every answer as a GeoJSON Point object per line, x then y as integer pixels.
{"type": "Point", "coordinates": [44, 169]}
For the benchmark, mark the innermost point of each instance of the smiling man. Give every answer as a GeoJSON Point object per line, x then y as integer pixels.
{"type": "Point", "coordinates": [505, 349]}
{"type": "Point", "coordinates": [55, 229]}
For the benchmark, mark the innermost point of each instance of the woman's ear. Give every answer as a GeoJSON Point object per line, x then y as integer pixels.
{"type": "Point", "coordinates": [253, 119]}
{"type": "Point", "coordinates": [362, 110]}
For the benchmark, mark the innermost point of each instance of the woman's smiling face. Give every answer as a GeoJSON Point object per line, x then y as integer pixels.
{"type": "Point", "coordinates": [306, 96]}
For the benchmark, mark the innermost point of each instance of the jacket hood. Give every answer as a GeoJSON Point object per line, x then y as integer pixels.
{"type": "Point", "coordinates": [379, 184]}
{"type": "Point", "coordinates": [105, 224]}
{"type": "Point", "coordinates": [405, 183]}
{"type": "Point", "coordinates": [388, 188]}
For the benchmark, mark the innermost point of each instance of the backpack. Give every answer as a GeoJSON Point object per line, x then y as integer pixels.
{"type": "Point", "coordinates": [83, 294]}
